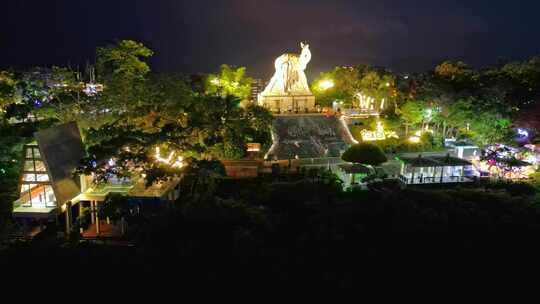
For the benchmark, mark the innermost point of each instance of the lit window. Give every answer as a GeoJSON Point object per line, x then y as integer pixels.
{"type": "Point", "coordinates": [36, 190]}
{"type": "Point", "coordinates": [29, 177]}
{"type": "Point", "coordinates": [29, 166]}
{"type": "Point", "coordinates": [36, 153]}
{"type": "Point", "coordinates": [40, 166]}
{"type": "Point", "coordinates": [29, 153]}
{"type": "Point", "coordinates": [42, 177]}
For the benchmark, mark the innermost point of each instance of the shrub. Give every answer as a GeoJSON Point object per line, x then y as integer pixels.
{"type": "Point", "coordinates": [365, 153]}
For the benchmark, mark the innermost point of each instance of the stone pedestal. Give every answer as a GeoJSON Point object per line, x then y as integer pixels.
{"type": "Point", "coordinates": [289, 103]}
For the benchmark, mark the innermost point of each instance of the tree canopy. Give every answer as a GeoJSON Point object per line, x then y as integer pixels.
{"type": "Point", "coordinates": [229, 82]}
{"type": "Point", "coordinates": [350, 81]}
{"type": "Point", "coordinates": [365, 153]}
{"type": "Point", "coordinates": [165, 112]}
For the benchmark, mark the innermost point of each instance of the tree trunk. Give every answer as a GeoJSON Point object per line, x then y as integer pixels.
{"type": "Point", "coordinates": [444, 130]}
{"type": "Point", "coordinates": [122, 226]}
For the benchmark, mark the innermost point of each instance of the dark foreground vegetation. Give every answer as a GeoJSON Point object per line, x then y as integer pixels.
{"type": "Point", "coordinates": [303, 232]}
{"type": "Point", "coordinates": [277, 232]}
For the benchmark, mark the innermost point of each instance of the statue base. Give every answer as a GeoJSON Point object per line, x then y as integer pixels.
{"type": "Point", "coordinates": [288, 104]}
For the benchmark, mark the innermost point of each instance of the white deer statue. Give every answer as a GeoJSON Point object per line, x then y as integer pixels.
{"type": "Point", "coordinates": [290, 78]}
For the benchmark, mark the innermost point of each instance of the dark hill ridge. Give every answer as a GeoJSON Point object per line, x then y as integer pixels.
{"type": "Point", "coordinates": [308, 136]}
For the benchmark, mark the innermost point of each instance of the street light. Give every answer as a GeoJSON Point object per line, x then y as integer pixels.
{"type": "Point", "coordinates": [326, 84]}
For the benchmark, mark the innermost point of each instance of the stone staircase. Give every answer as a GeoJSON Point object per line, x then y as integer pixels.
{"type": "Point", "coordinates": [308, 136]}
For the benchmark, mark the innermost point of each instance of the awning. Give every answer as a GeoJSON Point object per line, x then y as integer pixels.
{"type": "Point", "coordinates": [33, 213]}
{"type": "Point", "coordinates": [421, 162]}
{"type": "Point", "coordinates": [100, 193]}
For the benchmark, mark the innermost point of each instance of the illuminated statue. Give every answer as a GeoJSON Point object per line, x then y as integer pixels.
{"type": "Point", "coordinates": [290, 78]}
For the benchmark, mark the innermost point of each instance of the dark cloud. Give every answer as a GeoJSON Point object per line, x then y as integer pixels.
{"type": "Point", "coordinates": [197, 36]}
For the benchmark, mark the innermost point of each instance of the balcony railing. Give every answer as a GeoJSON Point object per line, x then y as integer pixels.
{"type": "Point", "coordinates": [419, 180]}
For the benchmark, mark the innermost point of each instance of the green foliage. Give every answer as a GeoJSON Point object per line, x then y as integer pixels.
{"type": "Point", "coordinates": [513, 188]}
{"type": "Point", "coordinates": [346, 85]}
{"type": "Point", "coordinates": [229, 81]}
{"type": "Point", "coordinates": [356, 131]}
{"type": "Point", "coordinates": [168, 114]}
{"type": "Point", "coordinates": [115, 207]}
{"type": "Point", "coordinates": [412, 113]}
{"type": "Point", "coordinates": [481, 126]}
{"type": "Point", "coordinates": [124, 73]}
{"type": "Point", "coordinates": [365, 153]}
{"type": "Point", "coordinates": [123, 61]}
{"type": "Point", "coordinates": [455, 71]}
{"type": "Point", "coordinates": [480, 105]}
{"type": "Point", "coordinates": [201, 177]}
{"type": "Point", "coordinates": [428, 142]}
{"type": "Point", "coordinates": [349, 81]}
{"type": "Point", "coordinates": [7, 91]}
{"type": "Point", "coordinates": [12, 140]}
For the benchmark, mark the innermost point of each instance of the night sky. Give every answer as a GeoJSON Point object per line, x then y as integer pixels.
{"type": "Point", "coordinates": [199, 35]}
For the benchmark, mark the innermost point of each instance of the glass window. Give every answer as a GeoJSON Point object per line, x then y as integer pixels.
{"type": "Point", "coordinates": [36, 153]}
{"type": "Point", "coordinates": [25, 188]}
{"type": "Point", "coordinates": [50, 199]}
{"type": "Point", "coordinates": [42, 177]}
{"type": "Point", "coordinates": [40, 166]}
{"type": "Point", "coordinates": [27, 191]}
{"type": "Point", "coordinates": [29, 177]}
{"type": "Point", "coordinates": [38, 196]}
{"type": "Point", "coordinates": [29, 165]}
{"type": "Point", "coordinates": [29, 153]}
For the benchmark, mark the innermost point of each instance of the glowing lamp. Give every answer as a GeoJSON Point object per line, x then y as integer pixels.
{"type": "Point", "coordinates": [523, 133]}
{"type": "Point", "coordinates": [414, 139]}
{"type": "Point", "coordinates": [253, 147]}
{"type": "Point", "coordinates": [326, 84]}
{"type": "Point", "coordinates": [170, 160]}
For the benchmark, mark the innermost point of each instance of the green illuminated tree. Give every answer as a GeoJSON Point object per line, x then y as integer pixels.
{"type": "Point", "coordinates": [365, 153]}
{"type": "Point", "coordinates": [7, 93]}
{"type": "Point", "coordinates": [453, 70]}
{"type": "Point", "coordinates": [345, 86]}
{"type": "Point", "coordinates": [229, 81]}
{"type": "Point", "coordinates": [412, 114]}
{"type": "Point", "coordinates": [124, 73]}
{"type": "Point", "coordinates": [174, 118]}
{"type": "Point", "coordinates": [349, 81]}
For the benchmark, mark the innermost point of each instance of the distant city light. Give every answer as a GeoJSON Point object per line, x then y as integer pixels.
{"type": "Point", "coordinates": [92, 89]}
{"type": "Point", "coordinates": [93, 163]}
{"type": "Point", "coordinates": [523, 133]}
